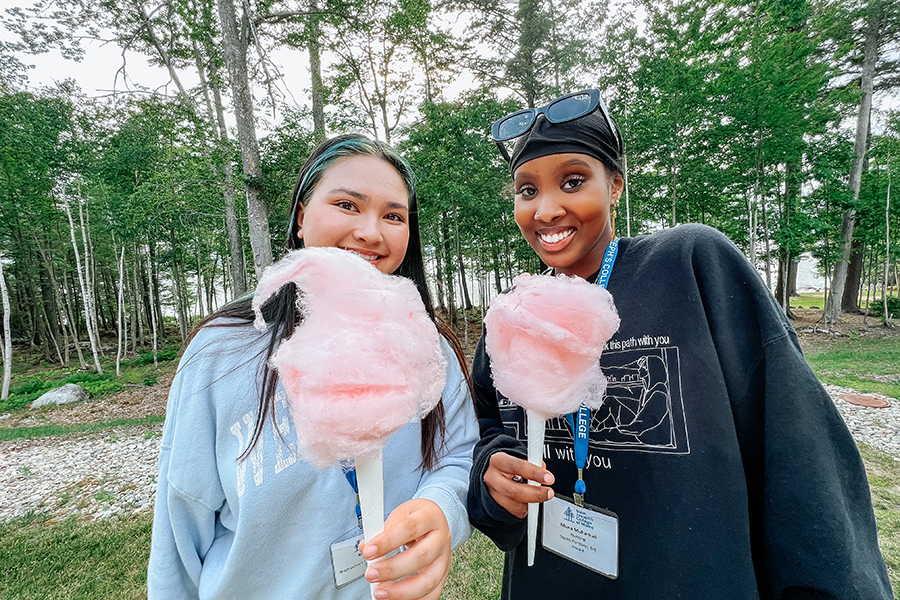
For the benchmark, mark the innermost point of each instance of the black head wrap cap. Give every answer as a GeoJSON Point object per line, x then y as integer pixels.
{"type": "Point", "coordinates": [589, 135]}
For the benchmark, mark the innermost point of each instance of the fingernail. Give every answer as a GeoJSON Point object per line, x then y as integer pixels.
{"type": "Point", "coordinates": [550, 493]}
{"type": "Point", "coordinates": [548, 478]}
{"type": "Point", "coordinates": [372, 575]}
{"type": "Point", "coordinates": [369, 551]}
{"type": "Point", "coordinates": [381, 594]}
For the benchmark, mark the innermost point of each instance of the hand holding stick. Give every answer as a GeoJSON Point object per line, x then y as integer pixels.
{"type": "Point", "coordinates": [344, 403]}
{"type": "Point", "coordinates": [544, 339]}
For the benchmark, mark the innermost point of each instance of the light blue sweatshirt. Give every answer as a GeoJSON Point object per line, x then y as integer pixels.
{"type": "Point", "coordinates": [263, 527]}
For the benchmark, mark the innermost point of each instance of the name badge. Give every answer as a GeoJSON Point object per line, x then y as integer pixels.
{"type": "Point", "coordinates": [346, 561]}
{"type": "Point", "coordinates": [586, 535]}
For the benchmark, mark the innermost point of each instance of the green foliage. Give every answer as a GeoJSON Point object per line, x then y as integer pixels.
{"type": "Point", "coordinates": [876, 307]}
{"type": "Point", "coordinates": [285, 151]}
{"type": "Point", "coordinates": [103, 387]}
{"type": "Point", "coordinates": [29, 389]}
{"type": "Point", "coordinates": [30, 385]}
{"type": "Point", "coordinates": [463, 188]}
{"type": "Point", "coordinates": [162, 356]}
{"type": "Point", "coordinates": [89, 377]}
{"type": "Point", "coordinates": [734, 114]}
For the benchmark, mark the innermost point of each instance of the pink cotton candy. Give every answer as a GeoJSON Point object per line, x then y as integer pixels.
{"type": "Point", "coordinates": [365, 361]}
{"type": "Point", "coordinates": [544, 339]}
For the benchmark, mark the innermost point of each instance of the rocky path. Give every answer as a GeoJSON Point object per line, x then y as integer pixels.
{"type": "Point", "coordinates": [113, 472]}
{"type": "Point", "coordinates": [90, 475]}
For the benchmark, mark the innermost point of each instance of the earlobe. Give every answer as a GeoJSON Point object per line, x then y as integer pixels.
{"type": "Point", "coordinates": [299, 221]}
{"type": "Point", "coordinates": [618, 186]}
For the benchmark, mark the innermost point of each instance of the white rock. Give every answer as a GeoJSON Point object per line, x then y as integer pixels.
{"type": "Point", "coordinates": [66, 394]}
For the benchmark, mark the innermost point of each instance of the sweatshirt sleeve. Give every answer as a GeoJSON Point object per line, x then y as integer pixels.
{"type": "Point", "coordinates": [184, 521]}
{"type": "Point", "coordinates": [813, 532]}
{"type": "Point", "coordinates": [503, 528]}
{"type": "Point", "coordinates": [811, 509]}
{"type": "Point", "coordinates": [446, 486]}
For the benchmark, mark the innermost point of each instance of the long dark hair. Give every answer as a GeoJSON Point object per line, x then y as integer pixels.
{"type": "Point", "coordinates": [281, 312]}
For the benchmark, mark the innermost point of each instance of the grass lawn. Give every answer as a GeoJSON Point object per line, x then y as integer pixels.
{"type": "Point", "coordinates": [867, 365]}
{"type": "Point", "coordinates": [817, 300]}
{"type": "Point", "coordinates": [71, 560]}
{"type": "Point", "coordinates": [108, 558]}
{"type": "Point", "coordinates": [884, 479]}
{"type": "Point", "coordinates": [16, 433]}
{"type": "Point", "coordinates": [808, 300]}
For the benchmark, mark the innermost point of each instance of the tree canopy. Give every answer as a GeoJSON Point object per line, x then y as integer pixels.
{"type": "Point", "coordinates": [739, 115]}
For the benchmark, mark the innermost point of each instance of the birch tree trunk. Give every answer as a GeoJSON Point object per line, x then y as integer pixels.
{"type": "Point", "coordinates": [120, 305]}
{"type": "Point", "coordinates": [89, 291]}
{"type": "Point", "coordinates": [154, 283]}
{"type": "Point", "coordinates": [137, 325]}
{"type": "Point", "coordinates": [152, 311]}
{"type": "Point", "coordinates": [7, 335]}
{"type": "Point", "coordinates": [832, 312]}
{"type": "Point", "coordinates": [235, 51]}
{"type": "Point", "coordinates": [88, 321]}
{"type": "Point", "coordinates": [439, 278]}
{"type": "Point", "coordinates": [886, 319]}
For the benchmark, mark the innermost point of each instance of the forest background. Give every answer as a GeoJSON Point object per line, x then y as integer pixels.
{"type": "Point", "coordinates": [770, 120]}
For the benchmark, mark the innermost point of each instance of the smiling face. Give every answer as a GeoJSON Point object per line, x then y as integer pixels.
{"type": "Point", "coordinates": [562, 207]}
{"type": "Point", "coordinates": [361, 204]}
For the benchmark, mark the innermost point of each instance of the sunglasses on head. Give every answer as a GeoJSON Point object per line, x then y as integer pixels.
{"type": "Point", "coordinates": [565, 108]}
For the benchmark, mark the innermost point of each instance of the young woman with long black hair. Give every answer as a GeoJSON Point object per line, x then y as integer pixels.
{"type": "Point", "coordinates": [238, 513]}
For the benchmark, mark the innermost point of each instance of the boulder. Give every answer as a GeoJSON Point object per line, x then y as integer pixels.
{"type": "Point", "coordinates": [67, 394]}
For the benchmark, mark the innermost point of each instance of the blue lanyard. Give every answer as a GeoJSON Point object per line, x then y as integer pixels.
{"type": "Point", "coordinates": [581, 421]}
{"type": "Point", "coordinates": [350, 473]}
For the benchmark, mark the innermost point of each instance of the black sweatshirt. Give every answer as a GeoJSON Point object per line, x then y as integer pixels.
{"type": "Point", "coordinates": [732, 473]}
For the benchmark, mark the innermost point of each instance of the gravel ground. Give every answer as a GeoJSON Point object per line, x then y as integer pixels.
{"type": "Point", "coordinates": [90, 475]}
{"type": "Point", "coordinates": [877, 427]}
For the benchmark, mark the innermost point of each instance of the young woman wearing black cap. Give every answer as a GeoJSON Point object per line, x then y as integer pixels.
{"type": "Point", "coordinates": [718, 466]}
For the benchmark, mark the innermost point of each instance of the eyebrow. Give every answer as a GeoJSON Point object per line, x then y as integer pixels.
{"type": "Point", "coordinates": [364, 197]}
{"type": "Point", "coordinates": [576, 161]}
{"type": "Point", "coordinates": [349, 192]}
{"type": "Point", "coordinates": [569, 163]}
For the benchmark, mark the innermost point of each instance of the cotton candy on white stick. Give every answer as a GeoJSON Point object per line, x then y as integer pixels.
{"type": "Point", "coordinates": [544, 340]}
{"type": "Point", "coordinates": [365, 361]}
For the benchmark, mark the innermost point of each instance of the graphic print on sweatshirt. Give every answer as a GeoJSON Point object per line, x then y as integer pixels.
{"type": "Point", "coordinates": [643, 409]}
{"type": "Point", "coordinates": [285, 442]}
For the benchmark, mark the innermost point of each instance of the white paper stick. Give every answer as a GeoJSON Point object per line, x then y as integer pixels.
{"type": "Point", "coordinates": [369, 478]}
{"type": "Point", "coordinates": [535, 457]}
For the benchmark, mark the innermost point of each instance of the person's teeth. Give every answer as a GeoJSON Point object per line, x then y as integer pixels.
{"type": "Point", "coordinates": [368, 257]}
{"type": "Point", "coordinates": [555, 237]}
